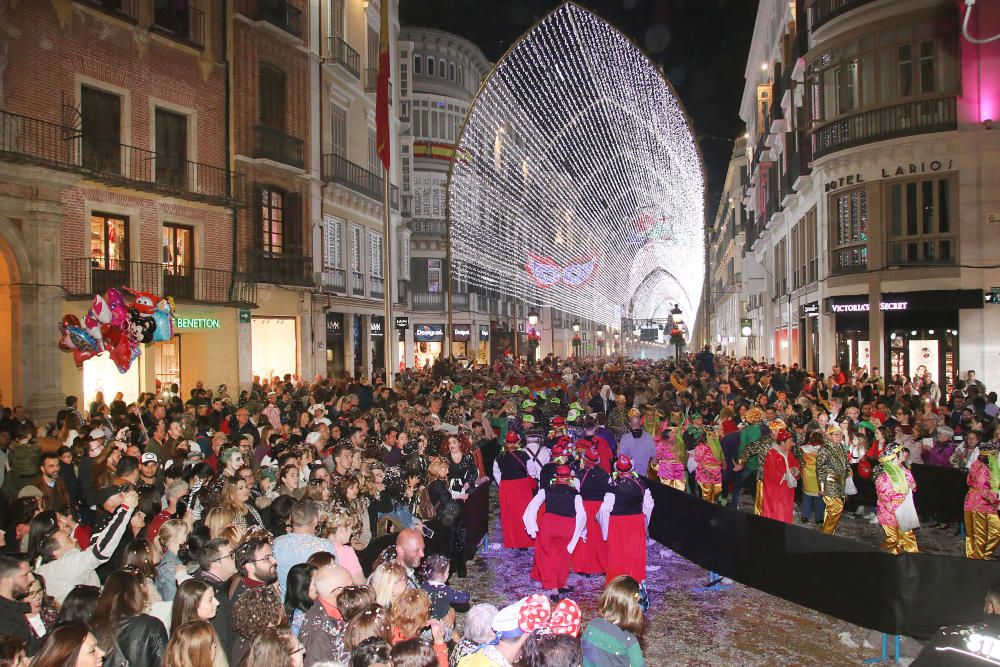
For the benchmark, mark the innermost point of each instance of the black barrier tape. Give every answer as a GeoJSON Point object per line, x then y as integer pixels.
{"type": "Point", "coordinates": [910, 594]}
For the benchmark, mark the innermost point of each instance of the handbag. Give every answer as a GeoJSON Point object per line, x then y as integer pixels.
{"type": "Point", "coordinates": [849, 488]}
{"type": "Point", "coordinates": [906, 514]}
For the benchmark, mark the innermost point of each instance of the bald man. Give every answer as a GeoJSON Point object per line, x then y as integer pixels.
{"type": "Point", "coordinates": [409, 553]}
{"type": "Point", "coordinates": [322, 632]}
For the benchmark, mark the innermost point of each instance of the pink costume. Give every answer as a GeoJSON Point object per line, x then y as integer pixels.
{"type": "Point", "coordinates": [889, 499]}
{"type": "Point", "coordinates": [709, 470]}
{"type": "Point", "coordinates": [980, 497]}
{"type": "Point", "coordinates": [669, 468]}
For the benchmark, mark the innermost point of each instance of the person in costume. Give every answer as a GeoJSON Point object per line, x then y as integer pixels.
{"type": "Point", "coordinates": [515, 473]}
{"type": "Point", "coordinates": [604, 451]}
{"type": "Point", "coordinates": [755, 443]}
{"type": "Point", "coordinates": [618, 418]}
{"type": "Point", "coordinates": [652, 420]}
{"type": "Point", "coordinates": [982, 525]}
{"type": "Point", "coordinates": [590, 555]}
{"type": "Point", "coordinates": [833, 467]}
{"type": "Point", "coordinates": [812, 505]}
{"type": "Point", "coordinates": [709, 462]}
{"type": "Point", "coordinates": [558, 531]}
{"type": "Point", "coordinates": [596, 432]}
{"type": "Point", "coordinates": [623, 517]}
{"type": "Point", "coordinates": [534, 447]}
{"type": "Point", "coordinates": [637, 444]}
{"type": "Point", "coordinates": [559, 428]}
{"type": "Point", "coordinates": [670, 460]}
{"type": "Point", "coordinates": [559, 456]}
{"type": "Point", "coordinates": [781, 476]}
{"type": "Point", "coordinates": [893, 485]}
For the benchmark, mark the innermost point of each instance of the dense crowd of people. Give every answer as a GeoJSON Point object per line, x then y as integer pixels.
{"type": "Point", "coordinates": [323, 523]}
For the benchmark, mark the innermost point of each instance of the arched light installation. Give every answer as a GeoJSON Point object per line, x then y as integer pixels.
{"type": "Point", "coordinates": [577, 182]}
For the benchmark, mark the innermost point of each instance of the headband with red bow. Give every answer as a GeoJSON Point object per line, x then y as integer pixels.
{"type": "Point", "coordinates": [537, 614]}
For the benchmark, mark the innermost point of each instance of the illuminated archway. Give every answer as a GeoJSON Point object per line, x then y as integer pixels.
{"type": "Point", "coordinates": [577, 181]}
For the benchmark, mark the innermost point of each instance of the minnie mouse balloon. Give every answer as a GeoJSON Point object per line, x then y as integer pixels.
{"type": "Point", "coordinates": [142, 327]}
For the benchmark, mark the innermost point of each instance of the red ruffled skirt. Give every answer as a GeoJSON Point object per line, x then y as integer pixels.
{"type": "Point", "coordinates": [589, 556]}
{"type": "Point", "coordinates": [626, 547]}
{"type": "Point", "coordinates": [515, 495]}
{"type": "Point", "coordinates": [552, 561]}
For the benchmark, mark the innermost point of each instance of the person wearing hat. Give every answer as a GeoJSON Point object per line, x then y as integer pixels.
{"type": "Point", "coordinates": [515, 473]}
{"type": "Point", "coordinates": [558, 531]}
{"type": "Point", "coordinates": [623, 517]}
{"type": "Point", "coordinates": [670, 461]}
{"type": "Point", "coordinates": [755, 444]}
{"type": "Point", "coordinates": [590, 555]}
{"type": "Point", "coordinates": [534, 447]}
{"type": "Point", "coordinates": [709, 461]}
{"type": "Point", "coordinates": [637, 444]}
{"type": "Point", "coordinates": [508, 642]}
{"type": "Point", "coordinates": [560, 455]}
{"type": "Point", "coordinates": [894, 487]}
{"type": "Point", "coordinates": [982, 525]}
{"type": "Point", "coordinates": [149, 472]}
{"type": "Point", "coordinates": [833, 468]}
{"type": "Point", "coordinates": [618, 417]}
{"type": "Point", "coordinates": [781, 476]}
{"type": "Point", "coordinates": [652, 419]}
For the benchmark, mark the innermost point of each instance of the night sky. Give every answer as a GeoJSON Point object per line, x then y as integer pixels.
{"type": "Point", "coordinates": [702, 45]}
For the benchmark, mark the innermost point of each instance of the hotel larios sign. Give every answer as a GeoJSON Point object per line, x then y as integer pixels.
{"type": "Point", "coordinates": [908, 169]}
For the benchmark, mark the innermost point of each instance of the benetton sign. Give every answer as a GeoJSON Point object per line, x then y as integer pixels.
{"type": "Point", "coordinates": [866, 307]}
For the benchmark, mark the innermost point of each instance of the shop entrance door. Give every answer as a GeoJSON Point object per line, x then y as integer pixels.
{"type": "Point", "coordinates": [167, 365]}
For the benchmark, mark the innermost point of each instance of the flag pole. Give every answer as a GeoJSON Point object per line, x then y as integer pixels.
{"type": "Point", "coordinates": [384, 144]}
{"type": "Point", "coordinates": [389, 326]}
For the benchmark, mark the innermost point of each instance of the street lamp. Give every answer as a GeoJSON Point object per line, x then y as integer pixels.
{"type": "Point", "coordinates": [675, 315]}
{"type": "Point", "coordinates": [532, 316]}
{"type": "Point", "coordinates": [576, 326]}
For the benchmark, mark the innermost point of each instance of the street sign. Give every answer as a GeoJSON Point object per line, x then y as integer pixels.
{"type": "Point", "coordinates": [746, 328]}
{"type": "Point", "coordinates": [244, 316]}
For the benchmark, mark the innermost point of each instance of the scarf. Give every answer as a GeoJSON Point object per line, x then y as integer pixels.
{"type": "Point", "coordinates": [994, 463]}
{"type": "Point", "coordinates": [896, 475]}
{"type": "Point", "coordinates": [712, 440]}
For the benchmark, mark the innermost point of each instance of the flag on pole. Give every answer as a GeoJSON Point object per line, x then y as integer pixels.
{"type": "Point", "coordinates": [382, 138]}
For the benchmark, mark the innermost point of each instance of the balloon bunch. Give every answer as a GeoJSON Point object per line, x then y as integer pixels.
{"type": "Point", "coordinates": [117, 328]}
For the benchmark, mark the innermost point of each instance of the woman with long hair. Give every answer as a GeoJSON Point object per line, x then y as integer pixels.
{"type": "Point", "coordinates": [372, 621]}
{"type": "Point", "coordinates": [388, 581]}
{"type": "Point", "coordinates": [463, 468]}
{"type": "Point", "coordinates": [70, 645]}
{"type": "Point", "coordinates": [339, 529]}
{"type": "Point", "coordinates": [300, 594]}
{"type": "Point", "coordinates": [43, 615]}
{"type": "Point", "coordinates": [288, 481]}
{"type": "Point", "coordinates": [79, 604]}
{"type": "Point", "coordinates": [218, 518]}
{"type": "Point", "coordinates": [193, 644]}
{"type": "Point", "coordinates": [125, 632]}
{"type": "Point", "coordinates": [274, 647]}
{"type": "Point", "coordinates": [373, 488]}
{"type": "Point", "coordinates": [409, 617]}
{"type": "Point", "coordinates": [235, 496]}
{"type": "Point", "coordinates": [620, 626]}
{"type": "Point", "coordinates": [170, 541]}
{"type": "Point", "coordinates": [347, 495]}
{"type": "Point", "coordinates": [195, 601]}
{"type": "Point", "coordinates": [40, 526]}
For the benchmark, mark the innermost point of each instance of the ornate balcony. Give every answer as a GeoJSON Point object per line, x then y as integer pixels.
{"type": "Point", "coordinates": [338, 169]}
{"type": "Point", "coordinates": [281, 269]}
{"type": "Point", "coordinates": [273, 144]}
{"type": "Point", "coordinates": [891, 122]}
{"type": "Point", "coordinates": [340, 52]}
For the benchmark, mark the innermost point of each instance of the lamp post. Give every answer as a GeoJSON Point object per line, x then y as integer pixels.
{"type": "Point", "coordinates": [600, 341]}
{"type": "Point", "coordinates": [532, 321]}
{"type": "Point", "coordinates": [576, 338]}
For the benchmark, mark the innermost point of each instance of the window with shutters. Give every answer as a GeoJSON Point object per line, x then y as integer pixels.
{"type": "Point", "coordinates": [418, 64]}
{"type": "Point", "coordinates": [920, 215]}
{"type": "Point", "coordinates": [372, 48]}
{"type": "Point", "coordinates": [451, 71]}
{"type": "Point", "coordinates": [100, 125]}
{"type": "Point", "coordinates": [405, 168]}
{"type": "Point", "coordinates": [441, 68]}
{"type": "Point", "coordinates": [333, 243]}
{"type": "Point", "coordinates": [375, 254]}
{"type": "Point", "coordinates": [430, 65]}
{"type": "Point", "coordinates": [404, 80]}
{"type": "Point", "coordinates": [356, 259]}
{"type": "Point", "coordinates": [337, 18]}
{"type": "Point", "coordinates": [404, 256]}
{"type": "Point", "coordinates": [271, 97]}
{"type": "Point", "coordinates": [171, 148]}
{"type": "Point", "coordinates": [272, 207]}
{"type": "Point", "coordinates": [338, 131]}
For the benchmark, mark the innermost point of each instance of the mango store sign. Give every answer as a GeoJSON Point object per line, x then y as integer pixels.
{"type": "Point", "coordinates": [197, 323]}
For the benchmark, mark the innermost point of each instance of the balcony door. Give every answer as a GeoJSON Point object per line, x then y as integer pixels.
{"type": "Point", "coordinates": [171, 149]}
{"type": "Point", "coordinates": [272, 98]}
{"type": "Point", "coordinates": [173, 16]}
{"type": "Point", "coordinates": [178, 261]}
{"type": "Point", "coordinates": [100, 125]}
{"type": "Point", "coordinates": [108, 252]}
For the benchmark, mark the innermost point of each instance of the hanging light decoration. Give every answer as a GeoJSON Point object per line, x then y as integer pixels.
{"type": "Point", "coordinates": [580, 185]}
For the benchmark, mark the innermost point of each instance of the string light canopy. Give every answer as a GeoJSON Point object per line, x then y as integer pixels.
{"type": "Point", "coordinates": [578, 183]}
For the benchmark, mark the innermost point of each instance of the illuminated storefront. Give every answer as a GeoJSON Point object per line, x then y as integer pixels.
{"type": "Point", "coordinates": [274, 346]}
{"type": "Point", "coordinates": [428, 339]}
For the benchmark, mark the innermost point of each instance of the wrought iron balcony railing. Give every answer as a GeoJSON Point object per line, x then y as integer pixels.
{"type": "Point", "coordinates": [338, 169]}
{"type": "Point", "coordinates": [340, 52]}
{"type": "Point", "coordinates": [267, 267]}
{"type": "Point", "coordinates": [899, 120]}
{"type": "Point", "coordinates": [427, 301]}
{"type": "Point", "coordinates": [335, 280]}
{"type": "Point", "coordinates": [127, 10]}
{"type": "Point", "coordinates": [274, 144]}
{"type": "Point", "coordinates": [377, 287]}
{"type": "Point", "coordinates": [827, 10]}
{"type": "Point", "coordinates": [86, 276]}
{"type": "Point", "coordinates": [357, 283]}
{"type": "Point", "coordinates": [281, 14]}
{"type": "Point", "coordinates": [27, 139]}
{"type": "Point", "coordinates": [424, 227]}
{"type": "Point", "coordinates": [179, 21]}
{"type": "Point", "coordinates": [403, 292]}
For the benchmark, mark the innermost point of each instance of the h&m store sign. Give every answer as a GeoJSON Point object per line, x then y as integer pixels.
{"type": "Point", "coordinates": [896, 171]}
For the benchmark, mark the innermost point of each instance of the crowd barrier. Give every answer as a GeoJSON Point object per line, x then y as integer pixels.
{"type": "Point", "coordinates": [910, 594]}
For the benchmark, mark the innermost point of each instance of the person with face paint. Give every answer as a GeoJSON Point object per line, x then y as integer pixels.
{"type": "Point", "coordinates": [637, 444]}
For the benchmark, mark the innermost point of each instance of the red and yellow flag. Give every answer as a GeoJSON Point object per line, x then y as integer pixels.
{"type": "Point", "coordinates": [382, 137]}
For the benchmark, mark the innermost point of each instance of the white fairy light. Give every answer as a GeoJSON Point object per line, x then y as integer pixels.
{"type": "Point", "coordinates": [579, 184]}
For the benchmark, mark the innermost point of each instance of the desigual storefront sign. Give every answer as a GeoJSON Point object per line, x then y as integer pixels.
{"type": "Point", "coordinates": [428, 333]}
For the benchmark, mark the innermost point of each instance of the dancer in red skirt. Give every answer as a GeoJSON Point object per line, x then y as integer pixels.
{"type": "Point", "coordinates": [558, 531]}
{"type": "Point", "coordinates": [515, 475]}
{"type": "Point", "coordinates": [589, 556]}
{"type": "Point", "coordinates": [623, 517]}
